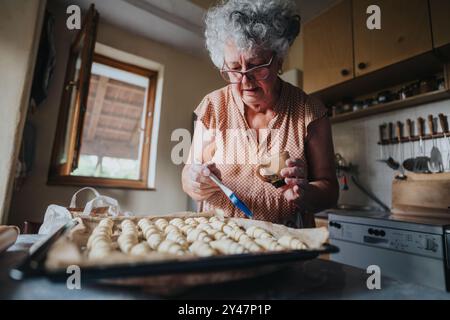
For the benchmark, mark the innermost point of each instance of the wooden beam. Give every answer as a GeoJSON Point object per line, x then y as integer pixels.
{"type": "Point", "coordinates": [97, 107]}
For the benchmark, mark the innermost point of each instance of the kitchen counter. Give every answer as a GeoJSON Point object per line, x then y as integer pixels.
{"type": "Point", "coordinates": [314, 279]}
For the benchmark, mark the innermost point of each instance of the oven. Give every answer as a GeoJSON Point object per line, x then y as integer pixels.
{"type": "Point", "coordinates": [410, 249]}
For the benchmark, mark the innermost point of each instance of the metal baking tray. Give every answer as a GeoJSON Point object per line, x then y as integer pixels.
{"type": "Point", "coordinates": [34, 263]}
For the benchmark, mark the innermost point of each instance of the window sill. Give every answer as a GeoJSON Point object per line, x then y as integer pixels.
{"type": "Point", "coordinates": [99, 182]}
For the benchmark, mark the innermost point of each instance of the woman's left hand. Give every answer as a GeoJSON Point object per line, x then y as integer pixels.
{"type": "Point", "coordinates": [296, 182]}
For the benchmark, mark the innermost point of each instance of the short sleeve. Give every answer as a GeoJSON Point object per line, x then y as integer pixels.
{"type": "Point", "coordinates": [205, 113]}
{"type": "Point", "coordinates": [314, 110]}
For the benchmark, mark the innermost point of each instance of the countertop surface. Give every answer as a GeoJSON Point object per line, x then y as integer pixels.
{"type": "Point", "coordinates": [313, 279]}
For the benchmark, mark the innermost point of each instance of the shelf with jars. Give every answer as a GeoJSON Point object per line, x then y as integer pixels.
{"type": "Point", "coordinates": [408, 94]}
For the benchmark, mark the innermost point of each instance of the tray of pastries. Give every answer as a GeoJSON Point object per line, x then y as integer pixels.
{"type": "Point", "coordinates": [183, 247]}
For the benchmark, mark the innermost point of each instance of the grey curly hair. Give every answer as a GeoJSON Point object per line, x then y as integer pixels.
{"type": "Point", "coordinates": [251, 24]}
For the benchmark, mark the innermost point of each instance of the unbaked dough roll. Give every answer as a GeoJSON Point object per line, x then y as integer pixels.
{"type": "Point", "coordinates": [151, 233]}
{"type": "Point", "coordinates": [190, 221]}
{"type": "Point", "coordinates": [186, 229]}
{"type": "Point", "coordinates": [290, 242]}
{"type": "Point", "coordinates": [168, 246]}
{"type": "Point", "coordinates": [161, 224]}
{"type": "Point", "coordinates": [250, 245]}
{"type": "Point", "coordinates": [140, 249]}
{"type": "Point", "coordinates": [171, 228]}
{"type": "Point", "coordinates": [218, 225]}
{"type": "Point", "coordinates": [201, 220]}
{"type": "Point", "coordinates": [99, 243]}
{"type": "Point", "coordinates": [177, 222]}
{"type": "Point", "coordinates": [234, 233]}
{"type": "Point", "coordinates": [269, 244]}
{"type": "Point", "coordinates": [207, 228]}
{"type": "Point", "coordinates": [213, 219]}
{"type": "Point", "coordinates": [217, 235]}
{"type": "Point", "coordinates": [129, 236]}
{"type": "Point", "coordinates": [197, 235]}
{"type": "Point", "coordinates": [227, 246]}
{"type": "Point", "coordinates": [177, 237]}
{"type": "Point", "coordinates": [232, 224]}
{"type": "Point", "coordinates": [257, 232]}
{"type": "Point", "coordinates": [202, 249]}
{"type": "Point", "coordinates": [154, 240]}
{"type": "Point", "coordinates": [106, 222]}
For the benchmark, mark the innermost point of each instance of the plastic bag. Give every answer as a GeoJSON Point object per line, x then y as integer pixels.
{"type": "Point", "coordinates": [57, 216]}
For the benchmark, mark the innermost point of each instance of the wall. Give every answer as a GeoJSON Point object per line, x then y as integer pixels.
{"type": "Point", "coordinates": [357, 142]}
{"type": "Point", "coordinates": [186, 80]}
{"type": "Point", "coordinates": [19, 21]}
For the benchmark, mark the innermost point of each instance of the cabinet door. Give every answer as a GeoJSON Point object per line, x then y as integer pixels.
{"type": "Point", "coordinates": [405, 32]}
{"type": "Point", "coordinates": [440, 18]}
{"type": "Point", "coordinates": [328, 48]}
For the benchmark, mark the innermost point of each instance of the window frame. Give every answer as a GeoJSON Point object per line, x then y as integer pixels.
{"type": "Point", "coordinates": [55, 178]}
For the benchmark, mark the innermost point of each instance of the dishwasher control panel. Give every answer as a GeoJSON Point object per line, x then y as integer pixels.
{"type": "Point", "coordinates": [425, 244]}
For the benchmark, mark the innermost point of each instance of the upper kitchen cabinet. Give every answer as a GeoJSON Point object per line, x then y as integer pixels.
{"type": "Point", "coordinates": [440, 18]}
{"type": "Point", "coordinates": [405, 33]}
{"type": "Point", "coordinates": [328, 48]}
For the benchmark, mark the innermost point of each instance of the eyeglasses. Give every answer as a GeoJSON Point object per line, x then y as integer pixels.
{"type": "Point", "coordinates": [260, 72]}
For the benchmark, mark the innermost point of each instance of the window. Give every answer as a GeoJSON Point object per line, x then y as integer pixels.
{"type": "Point", "coordinates": [106, 140]}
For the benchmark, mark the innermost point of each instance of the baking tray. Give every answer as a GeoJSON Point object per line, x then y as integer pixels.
{"type": "Point", "coordinates": [34, 264]}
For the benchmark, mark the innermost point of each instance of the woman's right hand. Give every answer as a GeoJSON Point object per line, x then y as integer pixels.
{"type": "Point", "coordinates": [197, 183]}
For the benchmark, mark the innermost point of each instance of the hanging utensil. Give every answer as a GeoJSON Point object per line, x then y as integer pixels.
{"type": "Point", "coordinates": [444, 125]}
{"type": "Point", "coordinates": [408, 164]}
{"type": "Point", "coordinates": [421, 162]}
{"type": "Point", "coordinates": [389, 161]}
{"type": "Point", "coordinates": [382, 130]}
{"type": "Point", "coordinates": [399, 133]}
{"type": "Point", "coordinates": [435, 164]}
{"type": "Point", "coordinates": [394, 165]}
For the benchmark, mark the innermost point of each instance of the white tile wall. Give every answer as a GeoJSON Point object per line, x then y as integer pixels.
{"type": "Point", "coordinates": [357, 141]}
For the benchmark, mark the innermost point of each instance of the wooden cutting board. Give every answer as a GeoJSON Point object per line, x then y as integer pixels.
{"type": "Point", "coordinates": [422, 195]}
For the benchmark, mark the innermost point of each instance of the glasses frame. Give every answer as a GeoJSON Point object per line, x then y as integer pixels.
{"type": "Point", "coordinates": [248, 72]}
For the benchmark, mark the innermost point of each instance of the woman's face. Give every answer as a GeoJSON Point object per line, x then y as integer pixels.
{"type": "Point", "coordinates": [253, 92]}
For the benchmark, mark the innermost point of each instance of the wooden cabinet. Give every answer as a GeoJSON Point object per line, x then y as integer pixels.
{"type": "Point", "coordinates": [440, 18]}
{"type": "Point", "coordinates": [405, 33]}
{"type": "Point", "coordinates": [328, 48]}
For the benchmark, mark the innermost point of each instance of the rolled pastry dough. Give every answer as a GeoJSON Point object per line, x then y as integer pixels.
{"type": "Point", "coordinates": [190, 221]}
{"type": "Point", "coordinates": [202, 249]}
{"type": "Point", "coordinates": [256, 232]}
{"type": "Point", "coordinates": [269, 244]}
{"type": "Point", "coordinates": [168, 246]}
{"type": "Point", "coordinates": [177, 222]}
{"type": "Point", "coordinates": [201, 220]}
{"type": "Point", "coordinates": [140, 249]}
{"type": "Point", "coordinates": [151, 233]}
{"type": "Point", "coordinates": [161, 224]}
{"type": "Point", "coordinates": [99, 243]}
{"type": "Point", "coordinates": [290, 242]}
{"type": "Point", "coordinates": [234, 233]}
{"type": "Point", "coordinates": [227, 246]}
{"type": "Point", "coordinates": [197, 235]}
{"type": "Point", "coordinates": [129, 236]}
{"type": "Point", "coordinates": [177, 237]}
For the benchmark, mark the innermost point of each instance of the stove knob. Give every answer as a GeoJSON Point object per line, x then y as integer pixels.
{"type": "Point", "coordinates": [431, 245]}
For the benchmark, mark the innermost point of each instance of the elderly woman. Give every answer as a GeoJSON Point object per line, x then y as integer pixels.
{"type": "Point", "coordinates": [257, 115]}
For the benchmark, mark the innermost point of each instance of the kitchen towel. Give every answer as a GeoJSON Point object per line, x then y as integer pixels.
{"type": "Point", "coordinates": [8, 236]}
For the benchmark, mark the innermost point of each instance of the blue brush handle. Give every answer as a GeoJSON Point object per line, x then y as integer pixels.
{"type": "Point", "coordinates": [239, 204]}
{"type": "Point", "coordinates": [233, 198]}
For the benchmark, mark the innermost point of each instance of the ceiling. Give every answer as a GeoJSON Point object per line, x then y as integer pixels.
{"type": "Point", "coordinates": [177, 23]}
